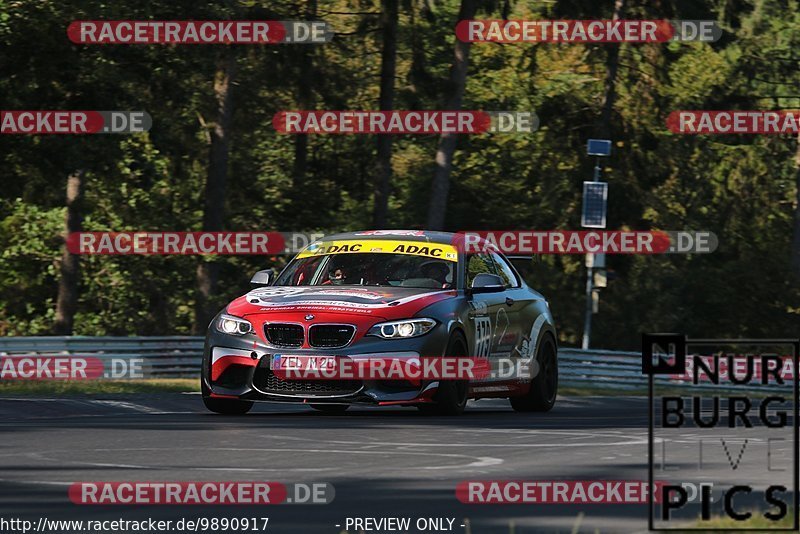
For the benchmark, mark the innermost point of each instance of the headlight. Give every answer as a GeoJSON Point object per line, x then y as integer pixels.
{"type": "Point", "coordinates": [402, 329]}
{"type": "Point", "coordinates": [235, 326]}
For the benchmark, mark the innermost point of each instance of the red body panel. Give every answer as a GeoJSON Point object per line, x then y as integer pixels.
{"type": "Point", "coordinates": [332, 305]}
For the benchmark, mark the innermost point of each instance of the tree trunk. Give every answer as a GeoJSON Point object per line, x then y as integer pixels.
{"type": "Point", "coordinates": [385, 103]}
{"type": "Point", "coordinates": [447, 142]}
{"type": "Point", "coordinates": [795, 261]}
{"type": "Point", "coordinates": [214, 211]}
{"type": "Point", "coordinates": [609, 86]}
{"type": "Point", "coordinates": [70, 263]}
{"type": "Point", "coordinates": [305, 100]}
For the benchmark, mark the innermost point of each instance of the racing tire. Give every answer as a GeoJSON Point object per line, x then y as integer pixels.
{"type": "Point", "coordinates": [451, 396]}
{"type": "Point", "coordinates": [541, 397]}
{"type": "Point", "coordinates": [225, 406]}
{"type": "Point", "coordinates": [333, 409]}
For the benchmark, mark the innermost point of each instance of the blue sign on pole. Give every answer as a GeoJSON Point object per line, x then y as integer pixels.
{"type": "Point", "coordinates": [598, 147]}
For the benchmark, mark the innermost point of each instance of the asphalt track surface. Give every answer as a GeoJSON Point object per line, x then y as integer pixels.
{"type": "Point", "coordinates": [383, 462]}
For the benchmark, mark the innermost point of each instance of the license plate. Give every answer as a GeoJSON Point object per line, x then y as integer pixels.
{"type": "Point", "coordinates": [301, 362]}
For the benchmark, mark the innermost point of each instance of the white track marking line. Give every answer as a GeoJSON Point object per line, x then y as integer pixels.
{"type": "Point", "coordinates": [141, 408]}
{"type": "Point", "coordinates": [477, 461]}
{"type": "Point", "coordinates": [633, 441]}
{"type": "Point", "coordinates": [128, 406]}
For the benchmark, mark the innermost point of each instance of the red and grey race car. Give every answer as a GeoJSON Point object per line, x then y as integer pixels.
{"type": "Point", "coordinates": [390, 294]}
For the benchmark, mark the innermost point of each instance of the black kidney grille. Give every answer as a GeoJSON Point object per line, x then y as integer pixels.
{"type": "Point", "coordinates": [284, 334]}
{"type": "Point", "coordinates": [330, 335]}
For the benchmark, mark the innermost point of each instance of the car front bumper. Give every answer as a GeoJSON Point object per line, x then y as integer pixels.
{"type": "Point", "coordinates": [239, 367]}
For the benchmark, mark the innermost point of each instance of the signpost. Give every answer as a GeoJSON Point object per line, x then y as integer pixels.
{"type": "Point", "coordinates": [593, 215]}
{"type": "Point", "coordinates": [598, 147]}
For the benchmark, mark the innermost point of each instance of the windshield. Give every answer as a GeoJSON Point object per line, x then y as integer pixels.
{"type": "Point", "coordinates": [369, 269]}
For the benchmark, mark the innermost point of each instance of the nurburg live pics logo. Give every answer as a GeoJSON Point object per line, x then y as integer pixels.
{"type": "Point", "coordinates": [718, 432]}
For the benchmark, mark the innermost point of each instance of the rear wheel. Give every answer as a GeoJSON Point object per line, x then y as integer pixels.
{"type": "Point", "coordinates": [451, 396]}
{"type": "Point", "coordinates": [542, 394]}
{"type": "Point", "coordinates": [331, 408]}
{"type": "Point", "coordinates": [224, 406]}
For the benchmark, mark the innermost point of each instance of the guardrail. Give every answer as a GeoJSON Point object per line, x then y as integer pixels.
{"type": "Point", "coordinates": [605, 369]}
{"type": "Point", "coordinates": [619, 370]}
{"type": "Point", "coordinates": [180, 357]}
{"type": "Point", "coordinates": [152, 357]}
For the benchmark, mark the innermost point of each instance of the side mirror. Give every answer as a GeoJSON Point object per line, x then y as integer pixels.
{"type": "Point", "coordinates": [487, 283]}
{"type": "Point", "coordinates": [262, 278]}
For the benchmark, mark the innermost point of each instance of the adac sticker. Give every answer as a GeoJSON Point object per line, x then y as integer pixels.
{"type": "Point", "coordinates": [413, 248]}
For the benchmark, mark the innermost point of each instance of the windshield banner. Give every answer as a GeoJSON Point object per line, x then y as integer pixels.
{"type": "Point", "coordinates": [414, 248]}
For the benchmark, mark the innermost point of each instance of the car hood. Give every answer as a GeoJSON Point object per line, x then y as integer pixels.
{"type": "Point", "coordinates": [378, 302]}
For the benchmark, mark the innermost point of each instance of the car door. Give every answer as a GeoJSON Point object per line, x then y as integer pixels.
{"type": "Point", "coordinates": [525, 310]}
{"type": "Point", "coordinates": [516, 298]}
{"type": "Point", "coordinates": [494, 328]}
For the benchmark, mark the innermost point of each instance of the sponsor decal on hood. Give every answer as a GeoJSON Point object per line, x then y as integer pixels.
{"type": "Point", "coordinates": [416, 233]}
{"type": "Point", "coordinates": [355, 297]}
{"type": "Point", "coordinates": [360, 300]}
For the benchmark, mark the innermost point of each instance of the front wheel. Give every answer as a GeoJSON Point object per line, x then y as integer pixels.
{"type": "Point", "coordinates": [541, 396]}
{"type": "Point", "coordinates": [451, 396]}
{"type": "Point", "coordinates": [450, 399]}
{"type": "Point", "coordinates": [225, 406]}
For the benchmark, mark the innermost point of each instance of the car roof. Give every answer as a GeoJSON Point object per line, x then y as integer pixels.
{"type": "Point", "coordinates": [402, 235]}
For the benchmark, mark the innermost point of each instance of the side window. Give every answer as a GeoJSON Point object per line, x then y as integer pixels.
{"type": "Point", "coordinates": [300, 272]}
{"type": "Point", "coordinates": [505, 271]}
{"type": "Point", "coordinates": [477, 264]}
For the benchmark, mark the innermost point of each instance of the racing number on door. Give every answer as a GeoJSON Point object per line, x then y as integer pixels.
{"type": "Point", "coordinates": [483, 337]}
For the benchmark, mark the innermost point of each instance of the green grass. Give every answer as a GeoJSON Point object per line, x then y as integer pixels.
{"type": "Point", "coordinates": [93, 387]}
{"type": "Point", "coordinates": [153, 385]}
{"type": "Point", "coordinates": [587, 391]}
{"type": "Point", "coordinates": [758, 521]}
{"type": "Point", "coordinates": [660, 391]}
